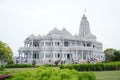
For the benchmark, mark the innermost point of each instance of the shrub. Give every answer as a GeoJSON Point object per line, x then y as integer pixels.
{"type": "Point", "coordinates": [56, 62]}
{"type": "Point", "coordinates": [20, 66]}
{"type": "Point", "coordinates": [93, 67]}
{"type": "Point", "coordinates": [33, 62]}
{"type": "Point", "coordinates": [50, 65]}
{"type": "Point", "coordinates": [44, 73]}
{"type": "Point", "coordinates": [1, 68]}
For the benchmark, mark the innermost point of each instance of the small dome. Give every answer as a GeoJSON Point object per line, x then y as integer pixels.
{"type": "Point", "coordinates": [39, 36]}
{"type": "Point", "coordinates": [31, 36]}
{"type": "Point", "coordinates": [75, 36]}
{"type": "Point", "coordinates": [54, 31]}
{"type": "Point", "coordinates": [65, 32]}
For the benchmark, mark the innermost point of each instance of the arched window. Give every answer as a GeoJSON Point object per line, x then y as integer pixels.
{"type": "Point", "coordinates": [66, 43]}
{"type": "Point", "coordinates": [58, 43]}
{"type": "Point", "coordinates": [35, 44]}
{"type": "Point", "coordinates": [58, 55]}
{"type": "Point", "coordinates": [88, 45]}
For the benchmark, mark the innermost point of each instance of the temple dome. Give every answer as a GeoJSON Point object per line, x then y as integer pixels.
{"type": "Point", "coordinates": [39, 36]}
{"type": "Point", "coordinates": [54, 31]}
{"type": "Point", "coordinates": [65, 32]}
{"type": "Point", "coordinates": [31, 36]}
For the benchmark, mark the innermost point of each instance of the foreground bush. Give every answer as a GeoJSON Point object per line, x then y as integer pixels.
{"type": "Point", "coordinates": [93, 67]}
{"type": "Point", "coordinates": [43, 73]}
{"type": "Point", "coordinates": [20, 66]}
{"type": "Point", "coordinates": [1, 68]}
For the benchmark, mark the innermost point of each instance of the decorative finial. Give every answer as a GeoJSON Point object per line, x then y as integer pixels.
{"type": "Point", "coordinates": [84, 13]}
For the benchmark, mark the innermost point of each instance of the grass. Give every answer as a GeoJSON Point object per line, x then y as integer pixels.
{"type": "Point", "coordinates": [107, 75]}
{"type": "Point", "coordinates": [100, 75]}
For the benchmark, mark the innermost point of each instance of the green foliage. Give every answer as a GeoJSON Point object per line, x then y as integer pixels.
{"type": "Point", "coordinates": [93, 67]}
{"type": "Point", "coordinates": [33, 62]}
{"type": "Point", "coordinates": [109, 54]}
{"type": "Point", "coordinates": [45, 73]}
{"type": "Point", "coordinates": [1, 68]}
{"type": "Point", "coordinates": [117, 55]}
{"type": "Point", "coordinates": [20, 66]}
{"type": "Point", "coordinates": [6, 53]}
{"type": "Point", "coordinates": [56, 62]}
{"type": "Point", "coordinates": [50, 65]}
{"type": "Point", "coordinates": [112, 54]}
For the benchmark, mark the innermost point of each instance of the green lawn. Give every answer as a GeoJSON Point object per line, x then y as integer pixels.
{"type": "Point", "coordinates": [100, 75]}
{"type": "Point", "coordinates": [107, 75]}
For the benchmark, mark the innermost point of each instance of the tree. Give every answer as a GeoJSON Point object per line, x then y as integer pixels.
{"type": "Point", "coordinates": [6, 54]}
{"type": "Point", "coordinates": [117, 55]}
{"type": "Point", "coordinates": [109, 54]}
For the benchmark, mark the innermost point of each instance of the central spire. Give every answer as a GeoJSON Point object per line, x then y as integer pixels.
{"type": "Point", "coordinates": [84, 26]}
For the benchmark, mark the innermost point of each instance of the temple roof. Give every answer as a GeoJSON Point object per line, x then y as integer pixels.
{"type": "Point", "coordinates": [90, 36]}
{"type": "Point", "coordinates": [39, 36]}
{"type": "Point", "coordinates": [59, 32]}
{"type": "Point", "coordinates": [31, 36]}
{"type": "Point", "coordinates": [54, 31]}
{"type": "Point", "coordinates": [65, 32]}
{"type": "Point", "coordinates": [84, 33]}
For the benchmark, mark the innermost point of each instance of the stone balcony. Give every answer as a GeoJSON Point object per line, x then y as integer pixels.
{"type": "Point", "coordinates": [29, 49]}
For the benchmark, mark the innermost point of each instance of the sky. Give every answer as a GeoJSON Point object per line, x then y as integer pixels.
{"type": "Point", "coordinates": [21, 18]}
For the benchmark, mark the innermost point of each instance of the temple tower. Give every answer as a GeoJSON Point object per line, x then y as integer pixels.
{"type": "Point", "coordinates": [84, 27]}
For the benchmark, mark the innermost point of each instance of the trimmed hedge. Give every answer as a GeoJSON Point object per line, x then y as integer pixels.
{"type": "Point", "coordinates": [93, 67]}
{"type": "Point", "coordinates": [50, 65]}
{"type": "Point", "coordinates": [46, 73]}
{"type": "Point", "coordinates": [20, 66]}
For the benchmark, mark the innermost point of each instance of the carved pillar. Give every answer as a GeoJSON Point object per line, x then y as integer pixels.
{"type": "Point", "coordinates": [20, 57]}
{"type": "Point", "coordinates": [32, 55]}
{"type": "Point", "coordinates": [82, 54]}
{"type": "Point", "coordinates": [88, 54]}
{"type": "Point", "coordinates": [76, 55]}
{"type": "Point", "coordinates": [32, 42]}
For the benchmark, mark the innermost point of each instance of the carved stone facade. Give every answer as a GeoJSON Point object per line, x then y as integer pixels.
{"type": "Point", "coordinates": [60, 45]}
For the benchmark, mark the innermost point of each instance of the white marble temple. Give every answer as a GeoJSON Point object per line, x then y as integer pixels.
{"type": "Point", "coordinates": [60, 45]}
